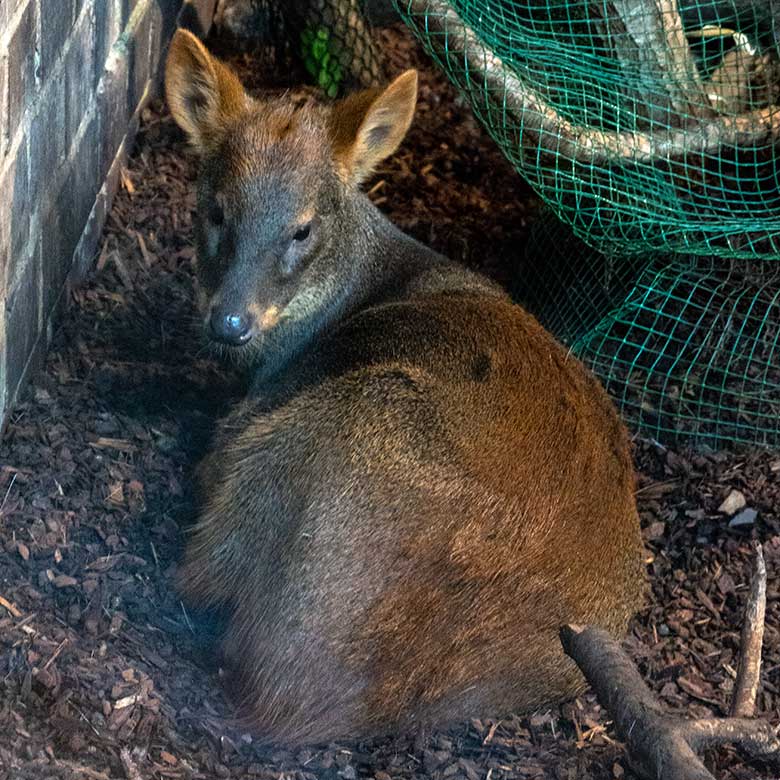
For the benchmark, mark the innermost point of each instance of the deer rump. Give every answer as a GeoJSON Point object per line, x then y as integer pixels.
{"type": "Point", "coordinates": [401, 524]}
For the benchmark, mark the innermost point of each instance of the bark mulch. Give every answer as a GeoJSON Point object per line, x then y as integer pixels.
{"type": "Point", "coordinates": [103, 672]}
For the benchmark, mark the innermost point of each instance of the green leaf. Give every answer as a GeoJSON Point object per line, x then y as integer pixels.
{"type": "Point", "coordinates": [312, 66]}
{"type": "Point", "coordinates": [319, 49]}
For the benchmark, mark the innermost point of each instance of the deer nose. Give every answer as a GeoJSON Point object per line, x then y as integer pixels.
{"type": "Point", "coordinates": [230, 328]}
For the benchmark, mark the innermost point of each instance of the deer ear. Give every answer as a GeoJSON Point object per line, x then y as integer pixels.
{"type": "Point", "coordinates": [203, 94]}
{"type": "Point", "coordinates": [368, 126]}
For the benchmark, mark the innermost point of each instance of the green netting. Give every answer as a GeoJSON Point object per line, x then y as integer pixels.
{"type": "Point", "coordinates": [650, 128]}
{"type": "Point", "coordinates": [336, 44]}
{"type": "Point", "coordinates": [690, 352]}
{"type": "Point", "coordinates": [331, 38]}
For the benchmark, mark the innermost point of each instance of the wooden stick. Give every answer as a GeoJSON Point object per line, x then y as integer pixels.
{"type": "Point", "coordinates": [10, 607]}
{"type": "Point", "coordinates": [757, 737]}
{"type": "Point", "coordinates": [56, 654]}
{"type": "Point", "coordinates": [654, 746]}
{"type": "Point", "coordinates": [647, 38]}
{"type": "Point", "coordinates": [749, 670]}
{"type": "Point", "coordinates": [662, 745]}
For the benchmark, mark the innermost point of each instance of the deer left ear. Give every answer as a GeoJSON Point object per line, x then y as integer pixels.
{"type": "Point", "coordinates": [203, 94]}
{"type": "Point", "coordinates": [369, 126]}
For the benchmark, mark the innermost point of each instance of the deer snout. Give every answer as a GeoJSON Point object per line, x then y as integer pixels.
{"type": "Point", "coordinates": [231, 327]}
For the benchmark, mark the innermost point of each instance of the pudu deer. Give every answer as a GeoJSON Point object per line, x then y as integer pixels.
{"type": "Point", "coordinates": [423, 486]}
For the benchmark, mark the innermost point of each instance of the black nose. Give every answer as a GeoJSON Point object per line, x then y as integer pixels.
{"type": "Point", "coordinates": [231, 328]}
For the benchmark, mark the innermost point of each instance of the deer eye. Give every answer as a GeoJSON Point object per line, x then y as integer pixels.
{"type": "Point", "coordinates": [215, 214]}
{"type": "Point", "coordinates": [302, 233]}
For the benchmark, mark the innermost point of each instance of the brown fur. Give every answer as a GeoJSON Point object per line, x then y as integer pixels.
{"type": "Point", "coordinates": [424, 486]}
{"type": "Point", "coordinates": [204, 107]}
{"type": "Point", "coordinates": [359, 130]}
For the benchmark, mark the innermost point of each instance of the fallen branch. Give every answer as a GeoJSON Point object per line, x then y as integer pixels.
{"type": "Point", "coordinates": [660, 745]}
{"type": "Point", "coordinates": [674, 55]}
{"type": "Point", "coordinates": [743, 702]}
{"type": "Point", "coordinates": [647, 38]}
{"type": "Point", "coordinates": [454, 41]}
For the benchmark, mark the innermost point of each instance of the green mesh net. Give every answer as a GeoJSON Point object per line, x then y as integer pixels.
{"type": "Point", "coordinates": [332, 38]}
{"type": "Point", "coordinates": [650, 128]}
{"type": "Point", "coordinates": [336, 44]}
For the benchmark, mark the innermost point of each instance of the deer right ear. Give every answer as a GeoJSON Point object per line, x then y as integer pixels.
{"type": "Point", "coordinates": [203, 94]}
{"type": "Point", "coordinates": [368, 126]}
